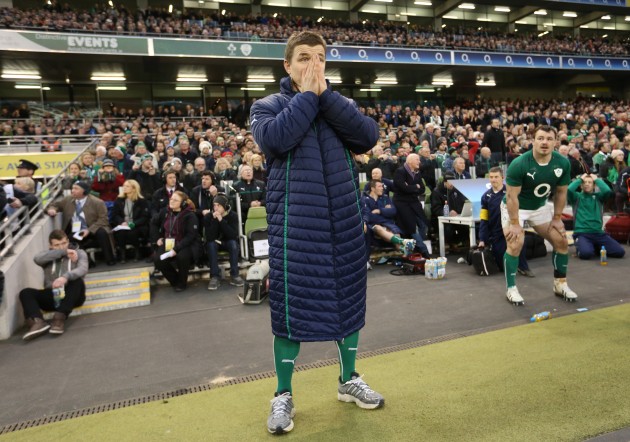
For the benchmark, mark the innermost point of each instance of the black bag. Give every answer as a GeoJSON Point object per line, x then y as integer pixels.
{"type": "Point", "coordinates": [534, 246]}
{"type": "Point", "coordinates": [482, 261]}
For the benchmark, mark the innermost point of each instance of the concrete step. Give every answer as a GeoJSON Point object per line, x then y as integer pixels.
{"type": "Point", "coordinates": [114, 290]}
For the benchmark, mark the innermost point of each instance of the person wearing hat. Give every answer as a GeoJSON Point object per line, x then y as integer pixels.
{"type": "Point", "coordinates": [107, 182]}
{"type": "Point", "coordinates": [221, 229]}
{"type": "Point", "coordinates": [26, 168]}
{"type": "Point", "coordinates": [145, 173]}
{"type": "Point", "coordinates": [85, 218]}
{"type": "Point", "coordinates": [121, 160]}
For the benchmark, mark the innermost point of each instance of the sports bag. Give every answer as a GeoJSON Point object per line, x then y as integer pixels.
{"type": "Point", "coordinates": [482, 261]}
{"type": "Point", "coordinates": [618, 227]}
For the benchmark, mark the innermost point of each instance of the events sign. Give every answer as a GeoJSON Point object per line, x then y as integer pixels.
{"type": "Point", "coordinates": [72, 43]}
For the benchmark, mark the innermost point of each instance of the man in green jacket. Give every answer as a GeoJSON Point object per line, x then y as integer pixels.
{"type": "Point", "coordinates": [587, 210]}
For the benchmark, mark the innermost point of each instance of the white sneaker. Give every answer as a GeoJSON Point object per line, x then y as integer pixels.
{"type": "Point", "coordinates": [514, 296]}
{"type": "Point", "coordinates": [561, 288]}
{"type": "Point", "coordinates": [369, 266]}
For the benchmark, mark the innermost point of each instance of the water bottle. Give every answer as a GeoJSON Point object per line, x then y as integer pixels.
{"type": "Point", "coordinates": [58, 295]}
{"type": "Point", "coordinates": [603, 258]}
{"type": "Point", "coordinates": [447, 210]}
{"type": "Point", "coordinates": [540, 317]}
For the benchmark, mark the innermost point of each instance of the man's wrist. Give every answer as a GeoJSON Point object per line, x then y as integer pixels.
{"type": "Point", "coordinates": [514, 221]}
{"type": "Point", "coordinates": [557, 217]}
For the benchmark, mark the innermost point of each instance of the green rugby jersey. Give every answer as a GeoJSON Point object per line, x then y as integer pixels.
{"type": "Point", "coordinates": [537, 181]}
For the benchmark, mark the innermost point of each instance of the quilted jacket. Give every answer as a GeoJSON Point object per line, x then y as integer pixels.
{"type": "Point", "coordinates": [316, 243]}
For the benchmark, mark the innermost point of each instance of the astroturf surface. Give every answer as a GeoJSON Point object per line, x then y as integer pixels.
{"type": "Point", "coordinates": [566, 378]}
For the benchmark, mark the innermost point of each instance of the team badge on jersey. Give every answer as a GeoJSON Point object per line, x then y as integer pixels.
{"type": "Point", "coordinates": [558, 172]}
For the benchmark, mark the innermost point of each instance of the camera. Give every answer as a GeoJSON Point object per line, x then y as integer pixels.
{"type": "Point", "coordinates": [107, 176]}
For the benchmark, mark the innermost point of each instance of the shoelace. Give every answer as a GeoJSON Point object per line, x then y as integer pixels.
{"type": "Point", "coordinates": [280, 405]}
{"type": "Point", "coordinates": [361, 386]}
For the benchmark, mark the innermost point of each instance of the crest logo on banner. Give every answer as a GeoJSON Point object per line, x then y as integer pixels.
{"type": "Point", "coordinates": [246, 49]}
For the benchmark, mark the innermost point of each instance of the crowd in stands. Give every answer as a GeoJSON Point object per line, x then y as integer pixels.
{"type": "Point", "coordinates": [264, 27]}
{"type": "Point", "coordinates": [127, 183]}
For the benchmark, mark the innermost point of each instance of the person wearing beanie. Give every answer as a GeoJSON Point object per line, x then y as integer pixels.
{"type": "Point", "coordinates": [85, 219]}
{"type": "Point", "coordinates": [221, 229]}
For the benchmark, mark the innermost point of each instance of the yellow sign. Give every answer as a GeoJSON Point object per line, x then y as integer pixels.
{"type": "Point", "coordinates": [50, 163]}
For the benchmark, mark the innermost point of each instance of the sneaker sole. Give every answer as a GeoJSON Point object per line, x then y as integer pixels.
{"type": "Point", "coordinates": [32, 335]}
{"type": "Point", "coordinates": [237, 285]}
{"type": "Point", "coordinates": [350, 398]}
{"type": "Point", "coordinates": [213, 288]}
{"type": "Point", "coordinates": [55, 332]}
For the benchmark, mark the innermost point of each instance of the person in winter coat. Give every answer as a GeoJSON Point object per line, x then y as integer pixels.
{"type": "Point", "coordinates": [409, 188]}
{"type": "Point", "coordinates": [221, 226]}
{"type": "Point", "coordinates": [250, 191]}
{"type": "Point", "coordinates": [175, 232]}
{"type": "Point", "coordinates": [130, 217]}
{"type": "Point", "coordinates": [318, 275]}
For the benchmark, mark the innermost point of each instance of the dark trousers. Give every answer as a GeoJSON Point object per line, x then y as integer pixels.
{"type": "Point", "coordinates": [213, 254]}
{"type": "Point", "coordinates": [499, 246]}
{"type": "Point", "coordinates": [589, 245]}
{"type": "Point", "coordinates": [35, 300]}
{"type": "Point", "coordinates": [132, 237]}
{"type": "Point", "coordinates": [100, 238]}
{"type": "Point", "coordinates": [412, 223]}
{"type": "Point", "coordinates": [176, 269]}
{"type": "Point", "coordinates": [496, 158]}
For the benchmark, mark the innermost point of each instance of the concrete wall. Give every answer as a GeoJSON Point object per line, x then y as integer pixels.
{"type": "Point", "coordinates": [20, 272]}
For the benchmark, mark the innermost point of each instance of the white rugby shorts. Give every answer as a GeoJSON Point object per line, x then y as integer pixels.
{"type": "Point", "coordinates": [542, 215]}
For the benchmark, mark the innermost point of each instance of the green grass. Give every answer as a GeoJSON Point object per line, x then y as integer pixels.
{"type": "Point", "coordinates": [563, 379]}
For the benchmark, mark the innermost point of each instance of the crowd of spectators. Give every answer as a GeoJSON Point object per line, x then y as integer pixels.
{"type": "Point", "coordinates": [264, 27]}
{"type": "Point", "coordinates": [153, 159]}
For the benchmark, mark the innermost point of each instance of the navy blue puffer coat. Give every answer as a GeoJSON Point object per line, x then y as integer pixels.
{"type": "Point", "coordinates": [316, 244]}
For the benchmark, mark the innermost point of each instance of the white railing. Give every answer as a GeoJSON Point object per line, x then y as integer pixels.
{"type": "Point", "coordinates": [19, 223]}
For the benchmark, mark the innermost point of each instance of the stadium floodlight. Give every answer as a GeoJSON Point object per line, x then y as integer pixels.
{"type": "Point", "coordinates": [188, 88]}
{"type": "Point", "coordinates": [20, 75]}
{"type": "Point", "coordinates": [451, 17]}
{"type": "Point", "coordinates": [111, 88]}
{"type": "Point", "coordinates": [422, 3]}
{"type": "Point", "coordinates": [261, 79]}
{"type": "Point", "coordinates": [108, 77]}
{"type": "Point", "coordinates": [29, 86]}
{"type": "Point", "coordinates": [253, 88]}
{"type": "Point", "coordinates": [370, 89]}
{"type": "Point", "coordinates": [425, 89]}
{"type": "Point", "coordinates": [466, 6]}
{"type": "Point", "coordinates": [569, 14]}
{"type": "Point", "coordinates": [170, 8]}
{"type": "Point", "coordinates": [199, 78]}
{"type": "Point", "coordinates": [502, 9]}
{"type": "Point", "coordinates": [540, 12]}
{"type": "Point", "coordinates": [606, 17]}
{"type": "Point", "coordinates": [627, 18]}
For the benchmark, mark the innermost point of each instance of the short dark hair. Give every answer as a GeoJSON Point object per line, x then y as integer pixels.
{"type": "Point", "coordinates": [372, 183]}
{"type": "Point", "coordinates": [210, 174]}
{"type": "Point", "coordinates": [58, 235]}
{"type": "Point", "coordinates": [545, 128]}
{"type": "Point", "coordinates": [496, 169]}
{"type": "Point", "coordinates": [308, 38]}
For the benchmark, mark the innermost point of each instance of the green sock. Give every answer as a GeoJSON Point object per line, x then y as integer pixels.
{"type": "Point", "coordinates": [396, 240]}
{"type": "Point", "coordinates": [510, 264]}
{"type": "Point", "coordinates": [348, 355]}
{"type": "Point", "coordinates": [560, 264]}
{"type": "Point", "coordinates": [285, 352]}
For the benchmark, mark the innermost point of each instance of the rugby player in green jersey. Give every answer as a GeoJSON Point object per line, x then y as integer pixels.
{"type": "Point", "coordinates": [530, 180]}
